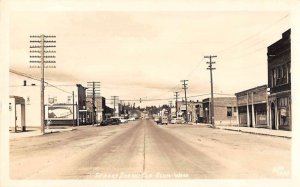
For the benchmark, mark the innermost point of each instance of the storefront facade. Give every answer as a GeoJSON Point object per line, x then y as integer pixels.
{"type": "Point", "coordinates": [279, 83]}
{"type": "Point", "coordinates": [252, 107]}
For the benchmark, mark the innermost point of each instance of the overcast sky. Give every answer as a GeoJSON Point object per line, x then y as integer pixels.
{"type": "Point", "coordinates": [145, 54]}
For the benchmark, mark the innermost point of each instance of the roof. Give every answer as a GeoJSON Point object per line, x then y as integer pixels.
{"type": "Point", "coordinates": [252, 89]}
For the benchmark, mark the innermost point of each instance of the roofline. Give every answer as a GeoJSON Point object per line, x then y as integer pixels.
{"type": "Point", "coordinates": [257, 87]}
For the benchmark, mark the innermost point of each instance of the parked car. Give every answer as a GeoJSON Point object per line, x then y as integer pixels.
{"type": "Point", "coordinates": [123, 120]}
{"type": "Point", "coordinates": [156, 119]}
{"type": "Point", "coordinates": [115, 121]}
{"type": "Point", "coordinates": [173, 121]}
{"type": "Point", "coordinates": [131, 119]}
{"type": "Point", "coordinates": [177, 121]}
{"type": "Point", "coordinates": [106, 122]}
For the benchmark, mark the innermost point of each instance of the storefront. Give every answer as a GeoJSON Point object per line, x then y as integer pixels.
{"type": "Point", "coordinates": [252, 107]}
{"type": "Point", "coordinates": [280, 112]}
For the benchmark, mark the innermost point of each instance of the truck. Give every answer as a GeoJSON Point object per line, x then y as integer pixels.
{"type": "Point", "coordinates": [164, 120]}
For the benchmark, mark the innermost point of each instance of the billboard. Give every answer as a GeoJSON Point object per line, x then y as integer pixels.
{"type": "Point", "coordinates": [60, 112]}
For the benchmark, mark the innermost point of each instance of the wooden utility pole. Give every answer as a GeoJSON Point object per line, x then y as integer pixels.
{"type": "Point", "coordinates": [40, 49]}
{"type": "Point", "coordinates": [73, 109]}
{"type": "Point", "coordinates": [176, 96]}
{"type": "Point", "coordinates": [212, 118]}
{"type": "Point", "coordinates": [114, 98]}
{"type": "Point", "coordinates": [93, 91]}
{"type": "Point", "coordinates": [185, 87]}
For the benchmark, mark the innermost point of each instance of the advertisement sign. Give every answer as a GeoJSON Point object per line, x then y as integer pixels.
{"type": "Point", "coordinates": [60, 112]}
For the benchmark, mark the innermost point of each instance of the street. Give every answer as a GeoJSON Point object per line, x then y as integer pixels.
{"type": "Point", "coordinates": [142, 149]}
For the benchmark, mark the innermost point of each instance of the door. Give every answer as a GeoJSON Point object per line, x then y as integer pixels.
{"type": "Point", "coordinates": [273, 120]}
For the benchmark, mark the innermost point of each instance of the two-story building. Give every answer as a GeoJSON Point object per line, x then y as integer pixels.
{"type": "Point", "coordinates": [194, 110]}
{"type": "Point", "coordinates": [279, 83]}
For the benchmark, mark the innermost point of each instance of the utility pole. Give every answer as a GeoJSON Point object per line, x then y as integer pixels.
{"type": "Point", "coordinates": [40, 46]}
{"type": "Point", "coordinates": [73, 109]}
{"type": "Point", "coordinates": [212, 118]}
{"type": "Point", "coordinates": [185, 87]}
{"type": "Point", "coordinates": [176, 95]}
{"type": "Point", "coordinates": [93, 91]}
{"type": "Point", "coordinates": [114, 98]}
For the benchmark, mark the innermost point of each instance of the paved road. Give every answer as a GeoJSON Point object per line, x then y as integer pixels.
{"type": "Point", "coordinates": [144, 150]}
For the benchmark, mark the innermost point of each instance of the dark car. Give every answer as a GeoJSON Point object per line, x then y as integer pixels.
{"type": "Point", "coordinates": [115, 121]}
{"type": "Point", "coordinates": [106, 122]}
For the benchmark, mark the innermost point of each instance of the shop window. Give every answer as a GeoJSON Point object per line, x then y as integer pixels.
{"type": "Point", "coordinates": [229, 111]}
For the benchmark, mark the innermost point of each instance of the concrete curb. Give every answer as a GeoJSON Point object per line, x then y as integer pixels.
{"type": "Point", "coordinates": [257, 133]}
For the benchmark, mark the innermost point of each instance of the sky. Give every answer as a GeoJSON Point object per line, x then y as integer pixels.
{"type": "Point", "coordinates": [145, 54]}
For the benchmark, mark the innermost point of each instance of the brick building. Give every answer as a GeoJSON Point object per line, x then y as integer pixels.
{"type": "Point", "coordinates": [279, 83]}
{"type": "Point", "coordinates": [225, 112]}
{"type": "Point", "coordinates": [252, 107]}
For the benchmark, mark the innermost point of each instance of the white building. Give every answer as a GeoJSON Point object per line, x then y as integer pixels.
{"type": "Point", "coordinates": [30, 90]}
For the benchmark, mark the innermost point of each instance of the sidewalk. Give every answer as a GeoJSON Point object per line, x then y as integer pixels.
{"type": "Point", "coordinates": [251, 130]}
{"type": "Point", "coordinates": [37, 132]}
{"type": "Point", "coordinates": [260, 131]}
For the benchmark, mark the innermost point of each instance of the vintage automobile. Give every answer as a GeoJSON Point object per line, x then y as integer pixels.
{"type": "Point", "coordinates": [156, 119]}
{"type": "Point", "coordinates": [164, 120]}
{"type": "Point", "coordinates": [106, 122]}
{"type": "Point", "coordinates": [115, 121]}
{"type": "Point", "coordinates": [177, 120]}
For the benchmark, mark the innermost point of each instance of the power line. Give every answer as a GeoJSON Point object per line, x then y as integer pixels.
{"type": "Point", "coordinates": [252, 36]}
{"type": "Point", "coordinates": [194, 69]}
{"type": "Point", "coordinates": [172, 98]}
{"type": "Point", "coordinates": [33, 78]}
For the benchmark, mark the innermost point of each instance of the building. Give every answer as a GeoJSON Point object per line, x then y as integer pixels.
{"type": "Point", "coordinates": [252, 107]}
{"type": "Point", "coordinates": [17, 120]}
{"type": "Point", "coordinates": [225, 112]}
{"type": "Point", "coordinates": [59, 109]}
{"type": "Point", "coordinates": [279, 83]}
{"type": "Point", "coordinates": [100, 103]}
{"type": "Point", "coordinates": [194, 110]}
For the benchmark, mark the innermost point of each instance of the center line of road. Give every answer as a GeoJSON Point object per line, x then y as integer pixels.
{"type": "Point", "coordinates": [144, 163]}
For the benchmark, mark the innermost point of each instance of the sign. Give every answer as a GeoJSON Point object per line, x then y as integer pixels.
{"type": "Point", "coordinates": [60, 112]}
{"type": "Point", "coordinates": [183, 107]}
{"type": "Point", "coordinates": [283, 112]}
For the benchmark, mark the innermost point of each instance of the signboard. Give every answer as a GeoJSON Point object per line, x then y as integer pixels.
{"type": "Point", "coordinates": [183, 107]}
{"type": "Point", "coordinates": [60, 112]}
{"type": "Point", "coordinates": [283, 112]}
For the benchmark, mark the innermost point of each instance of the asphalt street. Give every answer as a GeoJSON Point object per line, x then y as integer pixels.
{"type": "Point", "coordinates": [144, 150]}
